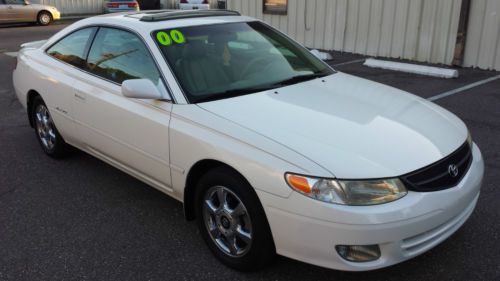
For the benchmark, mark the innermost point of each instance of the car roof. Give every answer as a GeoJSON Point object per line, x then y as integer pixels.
{"type": "Point", "coordinates": [164, 15]}
{"type": "Point", "coordinates": [147, 21]}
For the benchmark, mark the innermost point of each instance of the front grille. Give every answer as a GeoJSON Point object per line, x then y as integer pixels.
{"type": "Point", "coordinates": [437, 176]}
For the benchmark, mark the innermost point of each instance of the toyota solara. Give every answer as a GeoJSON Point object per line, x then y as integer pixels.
{"type": "Point", "coordinates": [270, 150]}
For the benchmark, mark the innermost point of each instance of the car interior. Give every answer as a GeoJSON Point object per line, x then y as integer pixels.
{"type": "Point", "coordinates": [217, 62]}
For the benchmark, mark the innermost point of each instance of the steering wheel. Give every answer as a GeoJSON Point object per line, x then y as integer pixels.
{"type": "Point", "coordinates": [262, 62]}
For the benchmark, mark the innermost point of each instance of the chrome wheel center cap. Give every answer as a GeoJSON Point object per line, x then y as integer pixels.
{"type": "Point", "coordinates": [225, 222]}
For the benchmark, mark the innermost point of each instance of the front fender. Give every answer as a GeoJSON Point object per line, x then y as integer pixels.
{"type": "Point", "coordinates": [196, 134]}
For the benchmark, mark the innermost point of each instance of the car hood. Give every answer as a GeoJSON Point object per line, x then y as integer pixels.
{"type": "Point", "coordinates": [353, 127]}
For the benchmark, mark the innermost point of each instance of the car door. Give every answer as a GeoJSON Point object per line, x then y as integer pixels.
{"type": "Point", "coordinates": [131, 134]}
{"type": "Point", "coordinates": [19, 11]}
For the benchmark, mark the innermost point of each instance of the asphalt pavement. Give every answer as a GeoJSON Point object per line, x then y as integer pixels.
{"type": "Point", "coordinates": [81, 219]}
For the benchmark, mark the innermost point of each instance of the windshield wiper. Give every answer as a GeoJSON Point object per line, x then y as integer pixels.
{"type": "Point", "coordinates": [245, 91]}
{"type": "Point", "coordinates": [234, 93]}
{"type": "Point", "coordinates": [299, 78]}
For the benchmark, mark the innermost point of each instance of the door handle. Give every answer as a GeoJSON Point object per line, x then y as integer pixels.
{"type": "Point", "coordinates": [10, 7]}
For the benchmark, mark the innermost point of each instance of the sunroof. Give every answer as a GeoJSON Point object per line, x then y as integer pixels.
{"type": "Point", "coordinates": [164, 15]}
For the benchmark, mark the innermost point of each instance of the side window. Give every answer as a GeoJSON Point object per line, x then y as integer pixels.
{"type": "Point", "coordinates": [15, 2]}
{"type": "Point", "coordinates": [71, 49]}
{"type": "Point", "coordinates": [119, 55]}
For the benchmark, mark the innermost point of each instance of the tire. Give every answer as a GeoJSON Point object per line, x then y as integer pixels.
{"type": "Point", "coordinates": [46, 132]}
{"type": "Point", "coordinates": [44, 18]}
{"type": "Point", "coordinates": [242, 220]}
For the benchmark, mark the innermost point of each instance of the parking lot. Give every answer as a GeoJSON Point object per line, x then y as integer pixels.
{"type": "Point", "coordinates": [81, 219]}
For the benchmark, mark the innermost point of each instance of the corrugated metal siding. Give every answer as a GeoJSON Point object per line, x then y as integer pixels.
{"type": "Point", "coordinates": [72, 7]}
{"type": "Point", "coordinates": [423, 30]}
{"type": "Point", "coordinates": [482, 48]}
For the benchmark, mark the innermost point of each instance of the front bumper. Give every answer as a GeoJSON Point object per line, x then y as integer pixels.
{"type": "Point", "coordinates": [56, 15]}
{"type": "Point", "coordinates": [119, 10]}
{"type": "Point", "coordinates": [308, 230]}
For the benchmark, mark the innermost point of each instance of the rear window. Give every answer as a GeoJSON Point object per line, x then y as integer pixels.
{"type": "Point", "coordinates": [71, 49]}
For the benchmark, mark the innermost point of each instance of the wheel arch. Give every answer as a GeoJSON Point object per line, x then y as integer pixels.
{"type": "Point", "coordinates": [197, 170]}
{"type": "Point", "coordinates": [29, 105]}
{"type": "Point", "coordinates": [44, 11]}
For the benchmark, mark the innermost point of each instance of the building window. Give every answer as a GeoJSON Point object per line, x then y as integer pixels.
{"type": "Point", "coordinates": [278, 7]}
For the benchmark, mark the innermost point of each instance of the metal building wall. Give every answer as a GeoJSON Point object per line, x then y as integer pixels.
{"type": "Point", "coordinates": [73, 7]}
{"type": "Point", "coordinates": [422, 30]}
{"type": "Point", "coordinates": [482, 48]}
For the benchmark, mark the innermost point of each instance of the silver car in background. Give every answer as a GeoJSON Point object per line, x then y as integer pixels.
{"type": "Point", "coordinates": [12, 11]}
{"type": "Point", "coordinates": [194, 5]}
{"type": "Point", "coordinates": [113, 6]}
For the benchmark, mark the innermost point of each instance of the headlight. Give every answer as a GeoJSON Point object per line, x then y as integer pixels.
{"type": "Point", "coordinates": [348, 192]}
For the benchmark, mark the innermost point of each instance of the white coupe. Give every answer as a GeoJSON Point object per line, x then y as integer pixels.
{"type": "Point", "coordinates": [269, 148]}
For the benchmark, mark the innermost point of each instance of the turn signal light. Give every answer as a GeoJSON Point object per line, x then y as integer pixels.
{"type": "Point", "coordinates": [299, 183]}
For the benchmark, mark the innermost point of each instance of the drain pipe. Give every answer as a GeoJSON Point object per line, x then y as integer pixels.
{"type": "Point", "coordinates": [463, 23]}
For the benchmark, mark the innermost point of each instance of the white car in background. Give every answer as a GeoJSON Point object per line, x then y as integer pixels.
{"type": "Point", "coordinates": [268, 148]}
{"type": "Point", "coordinates": [194, 4]}
{"type": "Point", "coordinates": [116, 6]}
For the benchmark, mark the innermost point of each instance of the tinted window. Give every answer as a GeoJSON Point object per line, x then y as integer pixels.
{"type": "Point", "coordinates": [71, 49]}
{"type": "Point", "coordinates": [14, 2]}
{"type": "Point", "coordinates": [118, 55]}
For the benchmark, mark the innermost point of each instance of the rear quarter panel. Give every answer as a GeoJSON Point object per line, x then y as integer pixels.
{"type": "Point", "coordinates": [52, 80]}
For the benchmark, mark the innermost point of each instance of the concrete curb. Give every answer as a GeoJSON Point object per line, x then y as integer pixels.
{"type": "Point", "coordinates": [412, 68]}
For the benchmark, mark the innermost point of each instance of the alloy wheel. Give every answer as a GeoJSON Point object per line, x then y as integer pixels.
{"type": "Point", "coordinates": [45, 19]}
{"type": "Point", "coordinates": [45, 127]}
{"type": "Point", "coordinates": [227, 221]}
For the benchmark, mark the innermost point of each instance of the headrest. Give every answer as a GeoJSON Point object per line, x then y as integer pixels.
{"type": "Point", "coordinates": [195, 49]}
{"type": "Point", "coordinates": [222, 37]}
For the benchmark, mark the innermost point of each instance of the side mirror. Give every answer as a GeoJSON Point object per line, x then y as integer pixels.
{"type": "Point", "coordinates": [26, 2]}
{"type": "Point", "coordinates": [141, 89]}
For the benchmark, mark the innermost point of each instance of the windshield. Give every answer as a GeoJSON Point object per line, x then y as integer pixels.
{"type": "Point", "coordinates": [213, 62]}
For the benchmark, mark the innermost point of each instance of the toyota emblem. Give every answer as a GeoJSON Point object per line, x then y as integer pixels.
{"type": "Point", "coordinates": [453, 170]}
